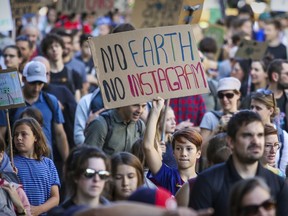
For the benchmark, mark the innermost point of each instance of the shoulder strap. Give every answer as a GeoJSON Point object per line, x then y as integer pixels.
{"type": "Point", "coordinates": [281, 139]}
{"type": "Point", "coordinates": [70, 78]}
{"type": "Point", "coordinates": [49, 102]}
{"type": "Point", "coordinates": [107, 117]}
{"type": "Point", "coordinates": [218, 114]}
{"type": "Point", "coordinates": [286, 109]}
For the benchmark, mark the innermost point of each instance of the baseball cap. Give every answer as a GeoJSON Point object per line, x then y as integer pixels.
{"type": "Point", "coordinates": [228, 83]}
{"type": "Point", "coordinates": [156, 196]}
{"type": "Point", "coordinates": [35, 71]}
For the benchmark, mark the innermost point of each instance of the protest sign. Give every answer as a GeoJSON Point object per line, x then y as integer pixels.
{"type": "Point", "coordinates": [279, 5]}
{"type": "Point", "coordinates": [10, 89]}
{"type": "Point", "coordinates": [151, 13]}
{"type": "Point", "coordinates": [250, 49]}
{"type": "Point", "coordinates": [190, 12]}
{"type": "Point", "coordinates": [78, 6]}
{"type": "Point", "coordinates": [6, 21]}
{"type": "Point", "coordinates": [216, 32]}
{"type": "Point", "coordinates": [136, 66]}
{"type": "Point", "coordinates": [21, 7]}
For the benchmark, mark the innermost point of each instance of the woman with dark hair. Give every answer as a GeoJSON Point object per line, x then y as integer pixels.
{"type": "Point", "coordinates": [127, 175]}
{"type": "Point", "coordinates": [251, 197]}
{"type": "Point", "coordinates": [241, 71]}
{"type": "Point", "coordinates": [86, 171]}
{"type": "Point", "coordinates": [259, 75]}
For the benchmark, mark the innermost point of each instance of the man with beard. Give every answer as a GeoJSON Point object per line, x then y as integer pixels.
{"type": "Point", "coordinates": [245, 137]}
{"type": "Point", "coordinates": [278, 79]}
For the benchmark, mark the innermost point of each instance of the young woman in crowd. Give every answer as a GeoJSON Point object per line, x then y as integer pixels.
{"type": "Point", "coordinates": [259, 76]}
{"type": "Point", "coordinates": [251, 197]}
{"type": "Point", "coordinates": [264, 103]}
{"type": "Point", "coordinates": [87, 170]}
{"type": "Point", "coordinates": [127, 175]}
{"type": "Point", "coordinates": [36, 172]}
{"type": "Point", "coordinates": [272, 145]}
{"type": "Point", "coordinates": [169, 127]}
{"type": "Point", "coordinates": [241, 71]}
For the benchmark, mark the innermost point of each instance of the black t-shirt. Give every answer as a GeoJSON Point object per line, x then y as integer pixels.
{"type": "Point", "coordinates": [72, 81]}
{"type": "Point", "coordinates": [278, 51]}
{"type": "Point", "coordinates": [281, 103]}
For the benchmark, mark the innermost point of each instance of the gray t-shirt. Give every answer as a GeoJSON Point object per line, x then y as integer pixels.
{"type": "Point", "coordinates": [209, 121]}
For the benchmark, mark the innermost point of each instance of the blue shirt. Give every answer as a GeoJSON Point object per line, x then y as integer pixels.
{"type": "Point", "coordinates": [48, 116]}
{"type": "Point", "coordinates": [168, 178]}
{"type": "Point", "coordinates": [37, 178]}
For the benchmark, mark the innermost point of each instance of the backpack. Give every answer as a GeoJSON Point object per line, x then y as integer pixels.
{"type": "Point", "coordinates": [106, 115]}
{"type": "Point", "coordinates": [96, 103]}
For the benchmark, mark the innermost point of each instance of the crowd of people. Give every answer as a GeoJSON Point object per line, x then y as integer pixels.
{"type": "Point", "coordinates": [220, 153]}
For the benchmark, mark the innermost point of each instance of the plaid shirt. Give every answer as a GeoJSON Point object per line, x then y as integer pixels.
{"type": "Point", "coordinates": [190, 107]}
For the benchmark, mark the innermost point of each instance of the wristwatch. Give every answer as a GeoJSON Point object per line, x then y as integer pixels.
{"type": "Point", "coordinates": [22, 213]}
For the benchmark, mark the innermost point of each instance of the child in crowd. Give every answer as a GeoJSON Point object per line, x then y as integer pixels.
{"type": "Point", "coordinates": [127, 175]}
{"type": "Point", "coordinates": [36, 172]}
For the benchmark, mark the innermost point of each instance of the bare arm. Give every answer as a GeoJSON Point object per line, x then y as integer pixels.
{"type": "Point", "coordinates": [153, 159]}
{"type": "Point", "coordinates": [49, 204]}
{"type": "Point", "coordinates": [3, 131]}
{"type": "Point", "coordinates": [182, 195]}
{"type": "Point", "coordinates": [61, 140]}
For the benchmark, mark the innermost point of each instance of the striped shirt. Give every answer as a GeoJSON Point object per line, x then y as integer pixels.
{"type": "Point", "coordinates": [37, 178]}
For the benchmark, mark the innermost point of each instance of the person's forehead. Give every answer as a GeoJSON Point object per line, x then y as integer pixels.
{"type": "Point", "coordinates": [10, 50]}
{"type": "Point", "coordinates": [285, 67]}
{"type": "Point", "coordinates": [22, 42]}
{"type": "Point", "coordinates": [253, 127]}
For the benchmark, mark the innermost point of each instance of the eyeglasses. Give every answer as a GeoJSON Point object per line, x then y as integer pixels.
{"type": "Point", "coordinates": [253, 209]}
{"type": "Point", "coordinates": [275, 146]}
{"type": "Point", "coordinates": [227, 95]}
{"type": "Point", "coordinates": [90, 173]}
{"type": "Point", "coordinates": [267, 92]}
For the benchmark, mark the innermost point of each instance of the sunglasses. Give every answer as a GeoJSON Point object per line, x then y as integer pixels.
{"type": "Point", "coordinates": [267, 92]}
{"type": "Point", "coordinates": [253, 209]}
{"type": "Point", "coordinates": [227, 95]}
{"type": "Point", "coordinates": [90, 173]}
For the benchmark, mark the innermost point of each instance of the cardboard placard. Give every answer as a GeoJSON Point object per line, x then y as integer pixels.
{"type": "Point", "coordinates": [136, 66]}
{"type": "Point", "coordinates": [101, 7]}
{"type": "Point", "coordinates": [10, 89]}
{"type": "Point", "coordinates": [251, 49]}
{"type": "Point", "coordinates": [151, 13]}
{"type": "Point", "coordinates": [279, 5]}
{"type": "Point", "coordinates": [191, 12]}
{"type": "Point", "coordinates": [21, 7]}
{"type": "Point", "coordinates": [6, 21]}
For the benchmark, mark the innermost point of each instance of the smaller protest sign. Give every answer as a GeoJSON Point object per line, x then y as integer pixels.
{"type": "Point", "coordinates": [100, 7]}
{"type": "Point", "coordinates": [10, 89]}
{"type": "Point", "coordinates": [279, 5]}
{"type": "Point", "coordinates": [251, 49]}
{"type": "Point", "coordinates": [21, 7]}
{"type": "Point", "coordinates": [151, 13]}
{"type": "Point", "coordinates": [6, 21]}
